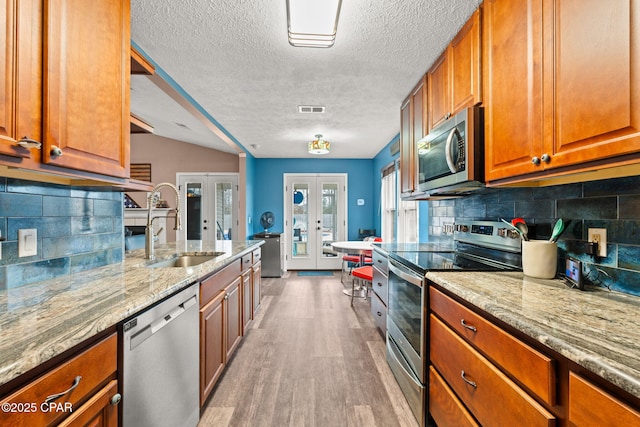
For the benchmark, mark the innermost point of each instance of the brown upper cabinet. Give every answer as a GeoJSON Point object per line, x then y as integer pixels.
{"type": "Point", "coordinates": [561, 86]}
{"type": "Point", "coordinates": [21, 72]}
{"type": "Point", "coordinates": [67, 85]}
{"type": "Point", "coordinates": [454, 79]}
{"type": "Point", "coordinates": [413, 128]}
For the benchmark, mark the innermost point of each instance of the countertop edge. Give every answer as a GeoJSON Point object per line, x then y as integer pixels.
{"type": "Point", "coordinates": [107, 311]}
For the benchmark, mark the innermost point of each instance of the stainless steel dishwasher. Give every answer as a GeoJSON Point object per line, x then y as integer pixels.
{"type": "Point", "coordinates": [160, 354]}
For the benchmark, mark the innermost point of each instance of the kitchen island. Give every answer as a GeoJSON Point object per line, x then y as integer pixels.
{"type": "Point", "coordinates": [43, 320]}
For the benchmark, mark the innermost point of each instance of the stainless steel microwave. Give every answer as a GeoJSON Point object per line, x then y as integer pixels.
{"type": "Point", "coordinates": [450, 157]}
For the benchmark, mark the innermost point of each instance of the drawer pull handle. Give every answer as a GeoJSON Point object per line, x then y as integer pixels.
{"type": "Point", "coordinates": [469, 327]}
{"type": "Point", "coordinates": [471, 383]}
{"type": "Point", "coordinates": [53, 397]}
{"type": "Point", "coordinates": [379, 313]}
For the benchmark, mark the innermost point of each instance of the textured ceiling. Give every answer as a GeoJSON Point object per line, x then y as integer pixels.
{"type": "Point", "coordinates": [233, 58]}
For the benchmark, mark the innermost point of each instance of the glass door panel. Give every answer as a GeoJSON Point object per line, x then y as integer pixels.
{"type": "Point", "coordinates": [300, 235]}
{"type": "Point", "coordinates": [193, 213]}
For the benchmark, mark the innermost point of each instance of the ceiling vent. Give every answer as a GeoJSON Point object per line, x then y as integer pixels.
{"type": "Point", "coordinates": [311, 109]}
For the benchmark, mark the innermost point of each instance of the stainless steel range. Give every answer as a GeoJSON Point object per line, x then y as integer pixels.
{"type": "Point", "coordinates": [478, 246]}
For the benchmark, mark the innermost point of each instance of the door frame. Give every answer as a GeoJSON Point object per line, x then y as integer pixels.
{"type": "Point", "coordinates": [287, 199]}
{"type": "Point", "coordinates": [203, 177]}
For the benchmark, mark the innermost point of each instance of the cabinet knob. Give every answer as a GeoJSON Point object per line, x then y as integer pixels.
{"type": "Point", "coordinates": [535, 160]}
{"type": "Point", "coordinates": [116, 399]}
{"type": "Point", "coordinates": [546, 158]}
{"type": "Point", "coordinates": [27, 142]}
{"type": "Point", "coordinates": [56, 151]}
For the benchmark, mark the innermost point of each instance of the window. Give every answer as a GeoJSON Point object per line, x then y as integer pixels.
{"type": "Point", "coordinates": [399, 217]}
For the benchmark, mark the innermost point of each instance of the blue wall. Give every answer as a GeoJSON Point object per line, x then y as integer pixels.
{"type": "Point", "coordinates": [268, 188]}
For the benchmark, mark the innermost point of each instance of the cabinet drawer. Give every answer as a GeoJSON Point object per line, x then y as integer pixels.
{"type": "Point", "coordinates": [379, 313]}
{"type": "Point", "coordinates": [589, 405]}
{"type": "Point", "coordinates": [380, 261]}
{"type": "Point", "coordinates": [95, 366]}
{"type": "Point", "coordinates": [487, 392]}
{"type": "Point", "coordinates": [444, 406]}
{"type": "Point", "coordinates": [214, 284]}
{"type": "Point", "coordinates": [380, 285]}
{"type": "Point", "coordinates": [247, 262]}
{"type": "Point", "coordinates": [535, 370]}
{"type": "Point", "coordinates": [257, 254]}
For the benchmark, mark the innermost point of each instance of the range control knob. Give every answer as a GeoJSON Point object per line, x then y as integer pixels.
{"type": "Point", "coordinates": [462, 228]}
{"type": "Point", "coordinates": [508, 233]}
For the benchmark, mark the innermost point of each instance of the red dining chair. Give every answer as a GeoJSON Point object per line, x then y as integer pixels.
{"type": "Point", "coordinates": [365, 275]}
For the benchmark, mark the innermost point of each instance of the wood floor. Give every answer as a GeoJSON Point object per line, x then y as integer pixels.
{"type": "Point", "coordinates": [309, 359]}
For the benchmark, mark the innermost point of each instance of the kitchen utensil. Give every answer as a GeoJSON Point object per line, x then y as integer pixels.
{"type": "Point", "coordinates": [513, 227]}
{"type": "Point", "coordinates": [522, 226]}
{"type": "Point", "coordinates": [558, 228]}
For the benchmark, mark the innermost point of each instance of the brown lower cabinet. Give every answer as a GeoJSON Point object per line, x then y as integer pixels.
{"type": "Point", "coordinates": [228, 300]}
{"type": "Point", "coordinates": [92, 402]}
{"type": "Point", "coordinates": [480, 373]}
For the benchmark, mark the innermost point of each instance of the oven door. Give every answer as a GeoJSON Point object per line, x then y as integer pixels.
{"type": "Point", "coordinates": [406, 316]}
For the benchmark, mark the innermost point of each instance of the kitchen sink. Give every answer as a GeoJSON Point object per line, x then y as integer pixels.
{"type": "Point", "coordinates": [185, 260]}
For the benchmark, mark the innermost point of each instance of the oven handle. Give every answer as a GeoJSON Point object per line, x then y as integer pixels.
{"type": "Point", "coordinates": [405, 274]}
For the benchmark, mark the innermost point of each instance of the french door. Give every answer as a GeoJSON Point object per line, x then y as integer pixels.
{"type": "Point", "coordinates": [209, 206]}
{"type": "Point", "coordinates": [315, 216]}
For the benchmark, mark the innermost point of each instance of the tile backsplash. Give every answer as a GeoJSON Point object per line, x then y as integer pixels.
{"type": "Point", "coordinates": [612, 204]}
{"type": "Point", "coordinates": [77, 229]}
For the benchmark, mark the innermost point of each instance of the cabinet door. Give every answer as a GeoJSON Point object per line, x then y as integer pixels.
{"type": "Point", "coordinates": [597, 70]}
{"type": "Point", "coordinates": [406, 149]}
{"type": "Point", "coordinates": [212, 345]}
{"type": "Point", "coordinates": [256, 286]}
{"type": "Point", "coordinates": [465, 53]}
{"type": "Point", "coordinates": [247, 307]}
{"type": "Point", "coordinates": [439, 91]}
{"type": "Point", "coordinates": [99, 410]}
{"type": "Point", "coordinates": [512, 73]}
{"type": "Point", "coordinates": [86, 85]}
{"type": "Point", "coordinates": [233, 316]}
{"type": "Point", "coordinates": [21, 72]}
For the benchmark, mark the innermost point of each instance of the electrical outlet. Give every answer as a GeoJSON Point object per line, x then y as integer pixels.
{"type": "Point", "coordinates": [599, 236]}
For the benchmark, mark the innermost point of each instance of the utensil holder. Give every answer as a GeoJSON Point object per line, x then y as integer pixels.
{"type": "Point", "coordinates": [539, 259]}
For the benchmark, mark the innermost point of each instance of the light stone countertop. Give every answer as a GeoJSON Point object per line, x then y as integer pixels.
{"type": "Point", "coordinates": [42, 320]}
{"type": "Point", "coordinates": [597, 329]}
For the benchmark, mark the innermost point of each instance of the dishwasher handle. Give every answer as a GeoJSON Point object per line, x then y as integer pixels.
{"type": "Point", "coordinates": [142, 335]}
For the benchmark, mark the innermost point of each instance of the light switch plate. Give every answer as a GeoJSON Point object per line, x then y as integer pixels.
{"type": "Point", "coordinates": [27, 242]}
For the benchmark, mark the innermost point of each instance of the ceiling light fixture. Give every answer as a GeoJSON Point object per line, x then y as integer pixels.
{"type": "Point", "coordinates": [312, 23]}
{"type": "Point", "coordinates": [319, 145]}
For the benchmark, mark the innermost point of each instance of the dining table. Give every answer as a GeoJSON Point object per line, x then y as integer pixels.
{"type": "Point", "coordinates": [357, 247]}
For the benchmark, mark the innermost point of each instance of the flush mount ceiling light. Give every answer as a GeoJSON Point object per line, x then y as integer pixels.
{"type": "Point", "coordinates": [319, 145]}
{"type": "Point", "coordinates": [312, 23]}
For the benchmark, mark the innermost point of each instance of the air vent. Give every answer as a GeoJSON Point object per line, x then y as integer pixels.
{"type": "Point", "coordinates": [311, 109]}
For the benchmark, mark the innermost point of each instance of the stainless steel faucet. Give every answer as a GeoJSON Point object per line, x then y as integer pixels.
{"type": "Point", "coordinates": [149, 236]}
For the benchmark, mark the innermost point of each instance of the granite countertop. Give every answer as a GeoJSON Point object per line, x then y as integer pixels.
{"type": "Point", "coordinates": [42, 320]}
{"type": "Point", "coordinates": [597, 329]}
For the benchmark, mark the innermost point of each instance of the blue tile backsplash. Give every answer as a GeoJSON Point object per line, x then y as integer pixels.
{"type": "Point", "coordinates": [612, 204]}
{"type": "Point", "coordinates": [78, 229]}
